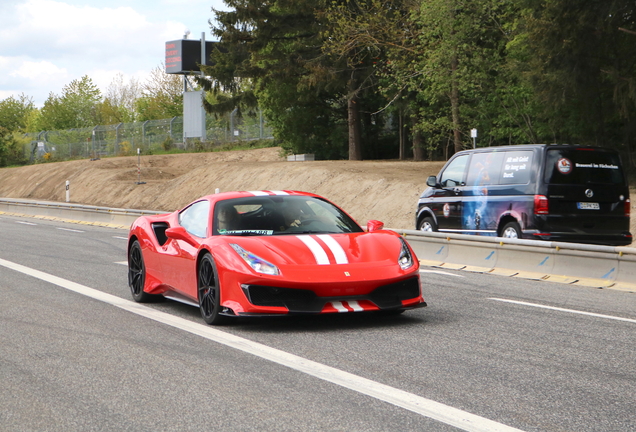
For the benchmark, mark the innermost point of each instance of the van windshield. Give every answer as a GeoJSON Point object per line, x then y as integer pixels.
{"type": "Point", "coordinates": [583, 166]}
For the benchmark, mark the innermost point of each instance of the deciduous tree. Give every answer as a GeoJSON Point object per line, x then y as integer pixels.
{"type": "Point", "coordinates": [74, 108]}
{"type": "Point", "coordinates": [15, 111]}
{"type": "Point", "coordinates": [161, 96]}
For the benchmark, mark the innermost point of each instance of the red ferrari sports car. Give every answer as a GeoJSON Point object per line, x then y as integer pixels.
{"type": "Point", "coordinates": [270, 253]}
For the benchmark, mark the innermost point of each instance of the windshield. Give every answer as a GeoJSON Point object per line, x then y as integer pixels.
{"type": "Point", "coordinates": [583, 166]}
{"type": "Point", "coordinates": [280, 215]}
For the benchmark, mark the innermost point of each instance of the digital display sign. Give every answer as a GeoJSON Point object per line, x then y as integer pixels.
{"type": "Point", "coordinates": [184, 55]}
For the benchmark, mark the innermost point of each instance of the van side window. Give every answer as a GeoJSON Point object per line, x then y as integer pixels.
{"type": "Point", "coordinates": [516, 168]}
{"type": "Point", "coordinates": [485, 169]}
{"type": "Point", "coordinates": [453, 175]}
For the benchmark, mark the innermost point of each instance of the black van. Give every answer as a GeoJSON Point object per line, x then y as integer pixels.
{"type": "Point", "coordinates": [537, 191]}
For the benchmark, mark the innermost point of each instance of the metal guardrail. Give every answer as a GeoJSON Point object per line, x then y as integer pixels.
{"type": "Point", "coordinates": [571, 263]}
{"type": "Point", "coordinates": [115, 217]}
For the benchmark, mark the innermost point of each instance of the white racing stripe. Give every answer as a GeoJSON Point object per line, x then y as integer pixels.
{"type": "Point", "coordinates": [425, 407]}
{"type": "Point", "coordinates": [355, 306]}
{"type": "Point", "coordinates": [319, 253]}
{"type": "Point", "coordinates": [335, 248]}
{"type": "Point", "coordinates": [268, 193]}
{"type": "Point", "coordinates": [339, 306]}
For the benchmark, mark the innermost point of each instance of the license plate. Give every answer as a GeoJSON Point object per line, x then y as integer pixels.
{"type": "Point", "coordinates": [588, 206]}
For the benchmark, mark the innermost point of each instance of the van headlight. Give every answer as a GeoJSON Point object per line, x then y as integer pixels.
{"type": "Point", "coordinates": [406, 257]}
{"type": "Point", "coordinates": [257, 263]}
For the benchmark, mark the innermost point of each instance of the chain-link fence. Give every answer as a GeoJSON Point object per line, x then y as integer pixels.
{"type": "Point", "coordinates": [151, 136]}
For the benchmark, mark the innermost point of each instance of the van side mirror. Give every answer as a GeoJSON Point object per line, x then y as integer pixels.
{"type": "Point", "coordinates": [374, 225]}
{"type": "Point", "coordinates": [432, 182]}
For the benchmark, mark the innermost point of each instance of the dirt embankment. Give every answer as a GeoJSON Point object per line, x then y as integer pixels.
{"type": "Point", "coordinates": [384, 190]}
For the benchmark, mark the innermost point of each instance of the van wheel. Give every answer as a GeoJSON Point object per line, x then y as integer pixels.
{"type": "Point", "coordinates": [427, 225]}
{"type": "Point", "coordinates": [511, 230]}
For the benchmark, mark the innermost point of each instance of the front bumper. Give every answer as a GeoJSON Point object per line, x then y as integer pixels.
{"type": "Point", "coordinates": [401, 295]}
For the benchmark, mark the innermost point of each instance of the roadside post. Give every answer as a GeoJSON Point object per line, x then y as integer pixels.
{"type": "Point", "coordinates": [139, 182]}
{"type": "Point", "coordinates": [68, 191]}
{"type": "Point", "coordinates": [473, 135]}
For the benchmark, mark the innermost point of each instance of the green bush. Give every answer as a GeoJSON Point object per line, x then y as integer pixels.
{"type": "Point", "coordinates": [11, 148]}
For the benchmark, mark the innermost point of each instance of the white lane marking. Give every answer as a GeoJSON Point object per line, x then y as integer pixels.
{"type": "Point", "coordinates": [121, 238]}
{"type": "Point", "coordinates": [336, 249]}
{"type": "Point", "coordinates": [68, 229]}
{"type": "Point", "coordinates": [441, 272]}
{"type": "Point", "coordinates": [574, 311]}
{"type": "Point", "coordinates": [319, 253]}
{"type": "Point", "coordinates": [122, 262]}
{"type": "Point", "coordinates": [25, 223]}
{"type": "Point", "coordinates": [417, 404]}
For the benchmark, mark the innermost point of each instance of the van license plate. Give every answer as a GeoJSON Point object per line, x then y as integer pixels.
{"type": "Point", "coordinates": [588, 206]}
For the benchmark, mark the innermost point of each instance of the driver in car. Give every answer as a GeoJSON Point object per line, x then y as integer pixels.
{"type": "Point", "coordinates": [227, 218]}
{"type": "Point", "coordinates": [293, 215]}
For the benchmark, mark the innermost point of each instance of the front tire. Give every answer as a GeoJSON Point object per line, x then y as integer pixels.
{"type": "Point", "coordinates": [427, 225]}
{"type": "Point", "coordinates": [209, 291]}
{"type": "Point", "coordinates": [511, 230]}
{"type": "Point", "coordinates": [137, 274]}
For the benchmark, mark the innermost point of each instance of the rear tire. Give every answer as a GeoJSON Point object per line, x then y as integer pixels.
{"type": "Point", "coordinates": [137, 274]}
{"type": "Point", "coordinates": [511, 230]}
{"type": "Point", "coordinates": [427, 225]}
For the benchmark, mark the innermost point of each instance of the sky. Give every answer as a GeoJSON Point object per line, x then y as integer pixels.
{"type": "Point", "coordinates": [46, 44]}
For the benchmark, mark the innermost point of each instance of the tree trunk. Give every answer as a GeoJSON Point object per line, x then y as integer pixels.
{"type": "Point", "coordinates": [355, 144]}
{"type": "Point", "coordinates": [402, 154]}
{"type": "Point", "coordinates": [454, 100]}
{"type": "Point", "coordinates": [418, 148]}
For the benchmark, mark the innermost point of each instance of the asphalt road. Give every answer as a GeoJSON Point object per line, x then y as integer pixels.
{"type": "Point", "coordinates": [72, 362]}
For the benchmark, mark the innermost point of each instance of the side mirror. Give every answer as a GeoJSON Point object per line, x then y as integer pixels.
{"type": "Point", "coordinates": [374, 225]}
{"type": "Point", "coordinates": [432, 181]}
{"type": "Point", "coordinates": [179, 233]}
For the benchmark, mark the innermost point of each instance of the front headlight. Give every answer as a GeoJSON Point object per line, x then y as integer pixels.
{"type": "Point", "coordinates": [257, 263]}
{"type": "Point", "coordinates": [406, 258]}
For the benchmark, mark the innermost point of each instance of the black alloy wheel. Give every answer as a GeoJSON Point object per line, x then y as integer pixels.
{"type": "Point", "coordinates": [209, 291]}
{"type": "Point", "coordinates": [137, 274]}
